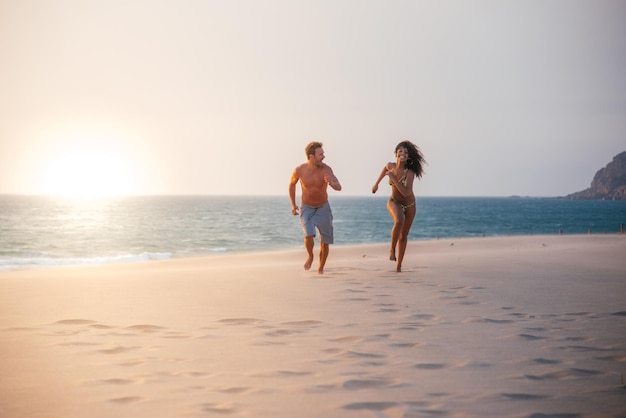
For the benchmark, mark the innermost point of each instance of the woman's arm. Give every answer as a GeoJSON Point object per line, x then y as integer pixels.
{"type": "Point", "coordinates": [382, 175]}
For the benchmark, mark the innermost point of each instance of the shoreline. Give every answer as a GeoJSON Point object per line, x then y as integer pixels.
{"type": "Point", "coordinates": [138, 259]}
{"type": "Point", "coordinates": [496, 326]}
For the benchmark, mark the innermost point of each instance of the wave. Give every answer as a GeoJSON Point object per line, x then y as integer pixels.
{"type": "Point", "coordinates": [153, 228]}
{"type": "Point", "coordinates": [37, 262]}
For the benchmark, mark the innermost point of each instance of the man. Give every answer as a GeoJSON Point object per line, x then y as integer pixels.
{"type": "Point", "coordinates": [314, 177]}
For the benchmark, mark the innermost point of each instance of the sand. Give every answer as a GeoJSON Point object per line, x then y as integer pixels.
{"type": "Point", "coordinates": [504, 327]}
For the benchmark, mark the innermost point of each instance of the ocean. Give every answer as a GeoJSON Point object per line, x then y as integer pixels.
{"type": "Point", "coordinates": [37, 231]}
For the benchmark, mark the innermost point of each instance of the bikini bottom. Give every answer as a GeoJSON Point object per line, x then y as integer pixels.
{"type": "Point", "coordinates": [404, 207]}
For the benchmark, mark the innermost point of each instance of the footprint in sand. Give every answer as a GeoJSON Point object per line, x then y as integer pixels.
{"type": "Point", "coordinates": [405, 409]}
{"type": "Point", "coordinates": [282, 374]}
{"type": "Point", "coordinates": [281, 333]}
{"type": "Point", "coordinates": [241, 321]}
{"type": "Point", "coordinates": [430, 366]}
{"type": "Point", "coordinates": [127, 399]}
{"type": "Point", "coordinates": [306, 323]}
{"type": "Point", "coordinates": [346, 339]}
{"type": "Point", "coordinates": [77, 344]}
{"type": "Point", "coordinates": [75, 322]}
{"type": "Point", "coordinates": [356, 354]}
{"type": "Point", "coordinates": [388, 310]}
{"type": "Point", "coordinates": [232, 390]}
{"type": "Point", "coordinates": [370, 406]}
{"type": "Point", "coordinates": [222, 409]}
{"type": "Point", "coordinates": [618, 358]}
{"type": "Point", "coordinates": [522, 396]}
{"type": "Point", "coordinates": [360, 384]}
{"type": "Point", "coordinates": [118, 350]}
{"type": "Point", "coordinates": [545, 361]}
{"type": "Point", "coordinates": [484, 320]}
{"type": "Point", "coordinates": [405, 345]}
{"type": "Point", "coordinates": [530, 337]}
{"type": "Point", "coordinates": [294, 327]}
{"type": "Point", "coordinates": [145, 328]}
{"type": "Point", "coordinates": [117, 381]}
{"type": "Point", "coordinates": [565, 374]}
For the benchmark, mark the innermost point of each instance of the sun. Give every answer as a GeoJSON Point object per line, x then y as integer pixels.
{"type": "Point", "coordinates": [86, 171]}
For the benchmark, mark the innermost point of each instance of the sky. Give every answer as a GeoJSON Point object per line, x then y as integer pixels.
{"type": "Point", "coordinates": [503, 97]}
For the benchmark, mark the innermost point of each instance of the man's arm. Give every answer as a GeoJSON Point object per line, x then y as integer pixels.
{"type": "Point", "coordinates": [331, 179]}
{"type": "Point", "coordinates": [292, 191]}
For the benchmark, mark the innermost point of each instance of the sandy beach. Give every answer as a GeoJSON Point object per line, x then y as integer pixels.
{"type": "Point", "coordinates": [506, 327]}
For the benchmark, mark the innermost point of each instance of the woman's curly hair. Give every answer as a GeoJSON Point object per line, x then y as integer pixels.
{"type": "Point", "coordinates": [416, 161]}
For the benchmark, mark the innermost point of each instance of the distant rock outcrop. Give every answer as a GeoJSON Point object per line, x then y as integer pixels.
{"type": "Point", "coordinates": [609, 183]}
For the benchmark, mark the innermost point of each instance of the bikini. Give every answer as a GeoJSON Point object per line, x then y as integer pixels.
{"type": "Point", "coordinates": [403, 182]}
{"type": "Point", "coordinates": [403, 207]}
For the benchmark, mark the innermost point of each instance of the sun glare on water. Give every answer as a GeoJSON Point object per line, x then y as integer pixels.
{"type": "Point", "coordinates": [86, 172]}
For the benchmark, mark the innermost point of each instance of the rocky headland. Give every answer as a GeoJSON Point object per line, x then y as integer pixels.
{"type": "Point", "coordinates": [609, 183]}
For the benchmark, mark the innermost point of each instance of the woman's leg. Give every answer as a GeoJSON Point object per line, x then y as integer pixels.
{"type": "Point", "coordinates": [395, 210]}
{"type": "Point", "coordinates": [409, 215]}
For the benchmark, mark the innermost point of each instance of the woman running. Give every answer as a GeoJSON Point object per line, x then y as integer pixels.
{"type": "Point", "coordinates": [401, 205]}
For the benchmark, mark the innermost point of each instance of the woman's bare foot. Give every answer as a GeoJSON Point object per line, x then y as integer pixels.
{"type": "Point", "coordinates": [392, 255]}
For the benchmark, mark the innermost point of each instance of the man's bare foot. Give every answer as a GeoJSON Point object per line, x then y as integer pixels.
{"type": "Point", "coordinates": [308, 262]}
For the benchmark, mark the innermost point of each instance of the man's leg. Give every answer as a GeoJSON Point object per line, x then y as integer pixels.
{"type": "Point", "coordinates": [324, 249]}
{"type": "Point", "coordinates": [308, 246]}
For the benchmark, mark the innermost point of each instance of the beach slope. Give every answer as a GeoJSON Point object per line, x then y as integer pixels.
{"type": "Point", "coordinates": [510, 327]}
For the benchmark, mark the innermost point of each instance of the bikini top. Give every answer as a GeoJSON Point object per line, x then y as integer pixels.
{"type": "Point", "coordinates": [402, 180]}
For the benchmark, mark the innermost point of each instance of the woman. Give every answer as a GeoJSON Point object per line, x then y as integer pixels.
{"type": "Point", "coordinates": [401, 205]}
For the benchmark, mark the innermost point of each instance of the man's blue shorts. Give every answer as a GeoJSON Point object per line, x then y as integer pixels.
{"type": "Point", "coordinates": [320, 217]}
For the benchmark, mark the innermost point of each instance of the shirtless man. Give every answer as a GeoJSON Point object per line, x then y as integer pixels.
{"type": "Point", "coordinates": [314, 177]}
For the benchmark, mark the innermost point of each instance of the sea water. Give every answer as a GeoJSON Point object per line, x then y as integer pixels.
{"type": "Point", "coordinates": [37, 231]}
